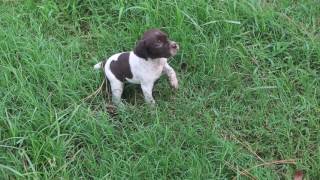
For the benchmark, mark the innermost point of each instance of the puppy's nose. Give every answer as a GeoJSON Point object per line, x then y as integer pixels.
{"type": "Point", "coordinates": [174, 45]}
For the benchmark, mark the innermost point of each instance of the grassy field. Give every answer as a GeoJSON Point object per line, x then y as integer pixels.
{"type": "Point", "coordinates": [248, 106]}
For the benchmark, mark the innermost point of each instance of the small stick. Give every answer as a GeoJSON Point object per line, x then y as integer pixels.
{"type": "Point", "coordinates": [96, 92]}
{"type": "Point", "coordinates": [244, 172]}
{"type": "Point", "coordinates": [289, 161]}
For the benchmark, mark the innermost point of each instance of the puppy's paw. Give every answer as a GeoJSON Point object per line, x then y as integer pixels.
{"type": "Point", "coordinates": [152, 105]}
{"type": "Point", "coordinates": [174, 84]}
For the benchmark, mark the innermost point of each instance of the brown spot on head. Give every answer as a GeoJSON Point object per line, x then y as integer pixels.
{"type": "Point", "coordinates": [121, 67]}
{"type": "Point", "coordinates": [155, 44]}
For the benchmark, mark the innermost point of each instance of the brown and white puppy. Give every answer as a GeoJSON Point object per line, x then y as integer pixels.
{"type": "Point", "coordinates": [144, 65]}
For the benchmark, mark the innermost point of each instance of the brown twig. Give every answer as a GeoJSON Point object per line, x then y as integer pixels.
{"type": "Point", "coordinates": [244, 172]}
{"type": "Point", "coordinates": [289, 161]}
{"type": "Point", "coordinates": [95, 92]}
{"type": "Point", "coordinates": [247, 146]}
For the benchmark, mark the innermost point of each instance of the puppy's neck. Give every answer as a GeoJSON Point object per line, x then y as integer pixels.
{"type": "Point", "coordinates": [151, 60]}
{"type": "Point", "coordinates": [156, 59]}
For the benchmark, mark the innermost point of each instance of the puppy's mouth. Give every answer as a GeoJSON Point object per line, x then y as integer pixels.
{"type": "Point", "coordinates": [174, 47]}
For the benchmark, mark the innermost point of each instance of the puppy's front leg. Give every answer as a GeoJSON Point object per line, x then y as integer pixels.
{"type": "Point", "coordinates": [147, 92]}
{"type": "Point", "coordinates": [168, 70]}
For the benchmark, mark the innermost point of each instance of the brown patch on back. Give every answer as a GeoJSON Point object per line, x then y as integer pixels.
{"type": "Point", "coordinates": [121, 67]}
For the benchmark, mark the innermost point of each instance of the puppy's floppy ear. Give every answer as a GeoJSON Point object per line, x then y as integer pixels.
{"type": "Point", "coordinates": [141, 49]}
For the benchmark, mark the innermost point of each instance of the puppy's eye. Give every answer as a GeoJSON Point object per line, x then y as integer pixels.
{"type": "Point", "coordinates": [159, 43]}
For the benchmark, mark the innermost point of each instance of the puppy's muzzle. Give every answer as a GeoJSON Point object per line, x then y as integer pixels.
{"type": "Point", "coordinates": [174, 47]}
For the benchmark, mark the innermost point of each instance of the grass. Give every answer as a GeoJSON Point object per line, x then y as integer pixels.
{"type": "Point", "coordinates": [248, 106]}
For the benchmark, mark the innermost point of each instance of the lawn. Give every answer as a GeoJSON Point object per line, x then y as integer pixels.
{"type": "Point", "coordinates": [248, 105]}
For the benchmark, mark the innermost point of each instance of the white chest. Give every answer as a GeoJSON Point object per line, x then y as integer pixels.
{"type": "Point", "coordinates": [146, 71]}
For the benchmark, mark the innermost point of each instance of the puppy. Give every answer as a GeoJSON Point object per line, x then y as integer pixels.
{"type": "Point", "coordinates": [144, 65]}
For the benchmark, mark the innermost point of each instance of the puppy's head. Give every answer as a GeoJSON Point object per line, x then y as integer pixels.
{"type": "Point", "coordinates": [155, 44]}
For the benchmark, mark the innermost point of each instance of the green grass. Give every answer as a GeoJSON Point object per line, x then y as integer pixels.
{"type": "Point", "coordinates": [250, 95]}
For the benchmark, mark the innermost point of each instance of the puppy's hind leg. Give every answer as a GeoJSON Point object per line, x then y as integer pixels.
{"type": "Point", "coordinates": [116, 89]}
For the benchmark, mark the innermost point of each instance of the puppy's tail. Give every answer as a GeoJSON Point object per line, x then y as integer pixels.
{"type": "Point", "coordinates": [98, 65]}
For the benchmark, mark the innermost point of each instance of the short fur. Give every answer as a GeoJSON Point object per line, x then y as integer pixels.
{"type": "Point", "coordinates": [121, 68]}
{"type": "Point", "coordinates": [144, 65]}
